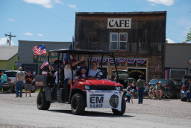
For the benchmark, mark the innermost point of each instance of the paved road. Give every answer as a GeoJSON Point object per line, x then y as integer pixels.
{"type": "Point", "coordinates": [22, 113]}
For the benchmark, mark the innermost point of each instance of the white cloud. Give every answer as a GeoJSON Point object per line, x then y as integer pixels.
{"type": "Point", "coordinates": [170, 40]}
{"type": "Point", "coordinates": [72, 6]}
{"type": "Point", "coordinates": [44, 3]}
{"type": "Point", "coordinates": [3, 41]}
{"type": "Point", "coordinates": [11, 20]}
{"type": "Point", "coordinates": [40, 35]}
{"type": "Point", "coordinates": [28, 34]}
{"type": "Point", "coordinates": [163, 2]}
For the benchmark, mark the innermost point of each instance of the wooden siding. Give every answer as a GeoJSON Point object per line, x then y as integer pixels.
{"type": "Point", "coordinates": [146, 38]}
{"type": "Point", "coordinates": [147, 35]}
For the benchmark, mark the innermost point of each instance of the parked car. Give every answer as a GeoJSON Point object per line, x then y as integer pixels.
{"type": "Point", "coordinates": [171, 90]}
{"type": "Point", "coordinates": [2, 70]}
{"type": "Point", "coordinates": [10, 85]}
{"type": "Point", "coordinates": [123, 77]}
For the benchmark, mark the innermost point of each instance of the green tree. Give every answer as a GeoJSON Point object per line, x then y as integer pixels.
{"type": "Point", "coordinates": [188, 36]}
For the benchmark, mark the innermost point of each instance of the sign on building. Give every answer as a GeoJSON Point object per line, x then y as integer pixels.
{"type": "Point", "coordinates": [119, 23]}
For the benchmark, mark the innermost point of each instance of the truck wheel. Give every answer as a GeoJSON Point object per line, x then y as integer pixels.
{"type": "Point", "coordinates": [123, 108]}
{"type": "Point", "coordinates": [183, 99]}
{"type": "Point", "coordinates": [42, 104]}
{"type": "Point", "coordinates": [78, 104]}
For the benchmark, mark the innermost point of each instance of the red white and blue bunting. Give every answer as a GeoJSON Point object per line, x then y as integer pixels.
{"type": "Point", "coordinates": [121, 60]}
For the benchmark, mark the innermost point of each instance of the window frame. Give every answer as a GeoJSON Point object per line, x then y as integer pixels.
{"type": "Point", "coordinates": [118, 41]}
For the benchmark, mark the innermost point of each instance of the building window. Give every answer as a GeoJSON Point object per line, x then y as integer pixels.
{"type": "Point", "coordinates": [118, 40]}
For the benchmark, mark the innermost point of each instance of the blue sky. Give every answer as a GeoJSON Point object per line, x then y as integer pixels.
{"type": "Point", "coordinates": [54, 20]}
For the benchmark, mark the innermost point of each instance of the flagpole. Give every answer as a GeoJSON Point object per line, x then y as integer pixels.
{"type": "Point", "coordinates": [37, 64]}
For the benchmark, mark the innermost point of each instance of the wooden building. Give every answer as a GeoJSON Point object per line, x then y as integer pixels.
{"type": "Point", "coordinates": [137, 38]}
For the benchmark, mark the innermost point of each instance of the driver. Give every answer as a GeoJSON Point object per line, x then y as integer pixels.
{"type": "Point", "coordinates": [94, 71]}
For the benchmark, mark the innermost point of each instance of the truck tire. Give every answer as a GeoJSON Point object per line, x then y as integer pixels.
{"type": "Point", "coordinates": [42, 104]}
{"type": "Point", "coordinates": [183, 99]}
{"type": "Point", "coordinates": [123, 108]}
{"type": "Point", "coordinates": [78, 104]}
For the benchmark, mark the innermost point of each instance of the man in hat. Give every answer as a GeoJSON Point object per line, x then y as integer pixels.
{"type": "Point", "coordinates": [20, 77]}
{"type": "Point", "coordinates": [140, 88]}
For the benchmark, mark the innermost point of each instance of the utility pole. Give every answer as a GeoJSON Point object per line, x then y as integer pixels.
{"type": "Point", "coordinates": [9, 35]}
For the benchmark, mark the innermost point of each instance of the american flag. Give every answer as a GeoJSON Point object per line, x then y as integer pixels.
{"type": "Point", "coordinates": [39, 50]}
{"type": "Point", "coordinates": [44, 64]}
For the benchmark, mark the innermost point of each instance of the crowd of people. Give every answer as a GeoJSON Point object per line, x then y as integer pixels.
{"type": "Point", "coordinates": [78, 69]}
{"type": "Point", "coordinates": [69, 70]}
{"type": "Point", "coordinates": [158, 91]}
{"type": "Point", "coordinates": [140, 89]}
{"type": "Point", "coordinates": [23, 80]}
{"type": "Point", "coordinates": [135, 89]}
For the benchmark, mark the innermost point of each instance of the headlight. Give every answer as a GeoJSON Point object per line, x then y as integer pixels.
{"type": "Point", "coordinates": [87, 87]}
{"type": "Point", "coordinates": [114, 101]}
{"type": "Point", "coordinates": [118, 88]}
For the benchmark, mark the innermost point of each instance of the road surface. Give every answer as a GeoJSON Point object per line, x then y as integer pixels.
{"type": "Point", "coordinates": [22, 113]}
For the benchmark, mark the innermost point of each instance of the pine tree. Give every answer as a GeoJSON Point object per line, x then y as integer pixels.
{"type": "Point", "coordinates": [188, 36]}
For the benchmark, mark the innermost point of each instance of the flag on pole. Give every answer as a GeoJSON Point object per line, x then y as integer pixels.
{"type": "Point", "coordinates": [44, 64]}
{"type": "Point", "coordinates": [39, 50]}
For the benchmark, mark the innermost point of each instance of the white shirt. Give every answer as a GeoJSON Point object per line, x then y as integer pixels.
{"type": "Point", "coordinates": [68, 73]}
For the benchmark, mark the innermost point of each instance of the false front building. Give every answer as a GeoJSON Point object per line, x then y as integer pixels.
{"type": "Point", "coordinates": [136, 38]}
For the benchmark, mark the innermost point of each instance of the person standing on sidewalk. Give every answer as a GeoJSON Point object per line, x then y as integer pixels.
{"type": "Point", "coordinates": [140, 88]}
{"type": "Point", "coordinates": [3, 79]}
{"type": "Point", "coordinates": [28, 83]}
{"type": "Point", "coordinates": [20, 77]}
{"type": "Point", "coordinates": [189, 90]}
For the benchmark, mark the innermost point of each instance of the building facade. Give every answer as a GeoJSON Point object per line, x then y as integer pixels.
{"type": "Point", "coordinates": [8, 57]}
{"type": "Point", "coordinates": [177, 61]}
{"type": "Point", "coordinates": [136, 38]}
{"type": "Point", "coordinates": [31, 62]}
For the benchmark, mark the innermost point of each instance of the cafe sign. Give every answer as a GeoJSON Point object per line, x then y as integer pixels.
{"type": "Point", "coordinates": [119, 23]}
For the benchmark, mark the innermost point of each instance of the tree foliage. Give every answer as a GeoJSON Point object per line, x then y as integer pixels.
{"type": "Point", "coordinates": [188, 36]}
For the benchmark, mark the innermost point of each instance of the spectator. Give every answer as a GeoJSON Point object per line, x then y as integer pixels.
{"type": "Point", "coordinates": [189, 90]}
{"type": "Point", "coordinates": [151, 92]}
{"type": "Point", "coordinates": [3, 79]}
{"type": "Point", "coordinates": [159, 90]}
{"type": "Point", "coordinates": [94, 71]}
{"type": "Point", "coordinates": [129, 94]}
{"type": "Point", "coordinates": [28, 84]}
{"type": "Point", "coordinates": [67, 74]}
{"type": "Point", "coordinates": [82, 73]}
{"type": "Point", "coordinates": [140, 88]}
{"type": "Point", "coordinates": [20, 77]}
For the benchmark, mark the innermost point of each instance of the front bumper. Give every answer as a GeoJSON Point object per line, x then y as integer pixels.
{"type": "Point", "coordinates": [104, 99]}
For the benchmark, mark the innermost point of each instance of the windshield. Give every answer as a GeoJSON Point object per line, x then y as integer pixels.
{"type": "Point", "coordinates": [122, 72]}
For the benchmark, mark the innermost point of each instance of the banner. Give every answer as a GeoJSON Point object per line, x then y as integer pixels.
{"type": "Point", "coordinates": [120, 60]}
{"type": "Point", "coordinates": [104, 99]}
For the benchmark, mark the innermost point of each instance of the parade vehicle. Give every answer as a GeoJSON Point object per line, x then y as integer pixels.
{"type": "Point", "coordinates": [90, 92]}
